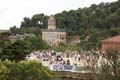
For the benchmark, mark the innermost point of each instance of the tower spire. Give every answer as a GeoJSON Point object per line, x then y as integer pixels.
{"type": "Point", "coordinates": [51, 23]}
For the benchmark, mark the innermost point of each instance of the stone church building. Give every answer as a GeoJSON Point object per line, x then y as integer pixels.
{"type": "Point", "coordinates": [52, 35]}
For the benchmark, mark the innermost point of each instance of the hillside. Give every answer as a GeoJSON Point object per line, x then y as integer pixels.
{"type": "Point", "coordinates": [92, 24]}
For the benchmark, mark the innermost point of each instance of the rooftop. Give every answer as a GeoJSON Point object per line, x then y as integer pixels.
{"type": "Point", "coordinates": [112, 39]}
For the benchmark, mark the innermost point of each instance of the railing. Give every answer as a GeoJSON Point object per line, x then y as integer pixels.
{"type": "Point", "coordinates": [69, 68]}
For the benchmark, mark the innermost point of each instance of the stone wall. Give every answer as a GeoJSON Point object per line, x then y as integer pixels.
{"type": "Point", "coordinates": [63, 75]}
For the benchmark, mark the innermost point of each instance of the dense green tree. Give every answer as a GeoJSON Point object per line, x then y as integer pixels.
{"type": "Point", "coordinates": [36, 43]}
{"type": "Point", "coordinates": [29, 30]}
{"type": "Point", "coordinates": [26, 22]}
{"type": "Point", "coordinates": [24, 70]}
{"type": "Point", "coordinates": [4, 41]}
{"type": "Point", "coordinates": [14, 30]}
{"type": "Point", "coordinates": [15, 51]}
{"type": "Point", "coordinates": [37, 20]}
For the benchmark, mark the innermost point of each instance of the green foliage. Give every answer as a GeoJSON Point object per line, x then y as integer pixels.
{"type": "Point", "coordinates": [24, 70]}
{"type": "Point", "coordinates": [19, 49]}
{"type": "Point", "coordinates": [29, 30]}
{"type": "Point", "coordinates": [14, 30]}
{"type": "Point", "coordinates": [4, 40]}
{"type": "Point", "coordinates": [26, 22]}
{"type": "Point", "coordinates": [85, 45]}
{"type": "Point", "coordinates": [36, 43]}
{"type": "Point", "coordinates": [102, 16]}
{"type": "Point", "coordinates": [59, 48]}
{"type": "Point", "coordinates": [37, 20]}
{"type": "Point", "coordinates": [97, 21]}
{"type": "Point", "coordinates": [62, 47]}
{"type": "Point", "coordinates": [15, 51]}
{"type": "Point", "coordinates": [4, 43]}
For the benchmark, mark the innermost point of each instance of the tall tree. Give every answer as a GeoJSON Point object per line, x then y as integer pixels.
{"type": "Point", "coordinates": [16, 51]}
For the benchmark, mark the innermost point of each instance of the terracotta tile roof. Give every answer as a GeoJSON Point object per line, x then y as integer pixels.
{"type": "Point", "coordinates": [112, 39]}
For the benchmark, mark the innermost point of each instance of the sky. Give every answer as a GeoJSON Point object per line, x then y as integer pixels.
{"type": "Point", "coordinates": [12, 12]}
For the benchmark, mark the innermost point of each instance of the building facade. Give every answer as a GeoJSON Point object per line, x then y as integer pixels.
{"type": "Point", "coordinates": [111, 43]}
{"type": "Point", "coordinates": [13, 38]}
{"type": "Point", "coordinates": [52, 35]}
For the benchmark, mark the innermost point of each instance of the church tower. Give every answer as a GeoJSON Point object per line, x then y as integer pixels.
{"type": "Point", "coordinates": [51, 23]}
